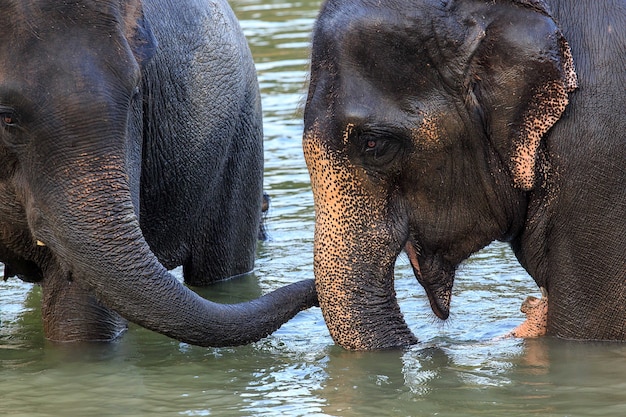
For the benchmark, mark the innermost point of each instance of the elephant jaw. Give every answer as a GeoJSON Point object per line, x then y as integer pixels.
{"type": "Point", "coordinates": [438, 289]}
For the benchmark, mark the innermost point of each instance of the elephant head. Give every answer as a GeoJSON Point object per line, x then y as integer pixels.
{"type": "Point", "coordinates": [423, 128]}
{"type": "Point", "coordinates": [70, 147]}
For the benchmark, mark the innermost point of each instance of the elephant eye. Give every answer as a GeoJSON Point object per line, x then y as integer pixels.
{"type": "Point", "coordinates": [10, 127]}
{"type": "Point", "coordinates": [376, 147]}
{"type": "Point", "coordinates": [8, 119]}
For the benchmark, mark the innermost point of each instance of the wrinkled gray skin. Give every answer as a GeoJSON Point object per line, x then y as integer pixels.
{"type": "Point", "coordinates": [436, 127]}
{"type": "Point", "coordinates": [130, 143]}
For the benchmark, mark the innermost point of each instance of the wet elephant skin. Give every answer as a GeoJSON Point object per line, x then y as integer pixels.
{"type": "Point", "coordinates": [131, 143]}
{"type": "Point", "coordinates": [437, 127]}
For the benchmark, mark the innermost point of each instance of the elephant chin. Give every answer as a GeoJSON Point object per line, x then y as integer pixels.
{"type": "Point", "coordinates": [438, 286]}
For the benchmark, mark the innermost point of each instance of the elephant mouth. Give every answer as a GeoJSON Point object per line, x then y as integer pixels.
{"type": "Point", "coordinates": [438, 289]}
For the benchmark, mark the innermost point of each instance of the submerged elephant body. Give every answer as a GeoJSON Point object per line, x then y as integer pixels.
{"type": "Point", "coordinates": [130, 143]}
{"type": "Point", "coordinates": [436, 127]}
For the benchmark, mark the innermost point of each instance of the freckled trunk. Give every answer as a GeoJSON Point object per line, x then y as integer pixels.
{"type": "Point", "coordinates": [96, 236]}
{"type": "Point", "coordinates": [354, 257]}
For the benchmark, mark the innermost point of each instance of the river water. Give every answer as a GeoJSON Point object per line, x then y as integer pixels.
{"type": "Point", "coordinates": [460, 367]}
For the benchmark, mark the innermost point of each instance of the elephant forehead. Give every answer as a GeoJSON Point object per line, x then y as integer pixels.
{"type": "Point", "coordinates": [429, 132]}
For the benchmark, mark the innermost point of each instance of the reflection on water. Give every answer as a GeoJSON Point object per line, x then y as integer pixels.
{"type": "Point", "coordinates": [459, 368]}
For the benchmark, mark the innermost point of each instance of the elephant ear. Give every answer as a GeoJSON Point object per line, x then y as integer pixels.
{"type": "Point", "coordinates": [522, 72]}
{"type": "Point", "coordinates": [138, 31]}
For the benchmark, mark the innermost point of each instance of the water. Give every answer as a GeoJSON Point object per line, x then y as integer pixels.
{"type": "Point", "coordinates": [460, 368]}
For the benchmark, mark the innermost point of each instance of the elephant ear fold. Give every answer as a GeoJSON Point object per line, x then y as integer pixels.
{"type": "Point", "coordinates": [138, 32]}
{"type": "Point", "coordinates": [522, 73]}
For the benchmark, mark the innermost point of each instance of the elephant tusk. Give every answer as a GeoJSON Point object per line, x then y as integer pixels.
{"type": "Point", "coordinates": [410, 251]}
{"type": "Point", "coordinates": [40, 243]}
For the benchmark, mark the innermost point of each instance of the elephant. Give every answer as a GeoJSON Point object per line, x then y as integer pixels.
{"type": "Point", "coordinates": [130, 144]}
{"type": "Point", "coordinates": [434, 127]}
{"type": "Point", "coordinates": [536, 311]}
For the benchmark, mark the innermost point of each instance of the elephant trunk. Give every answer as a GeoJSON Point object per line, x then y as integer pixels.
{"type": "Point", "coordinates": [358, 303]}
{"type": "Point", "coordinates": [93, 231]}
{"type": "Point", "coordinates": [354, 255]}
